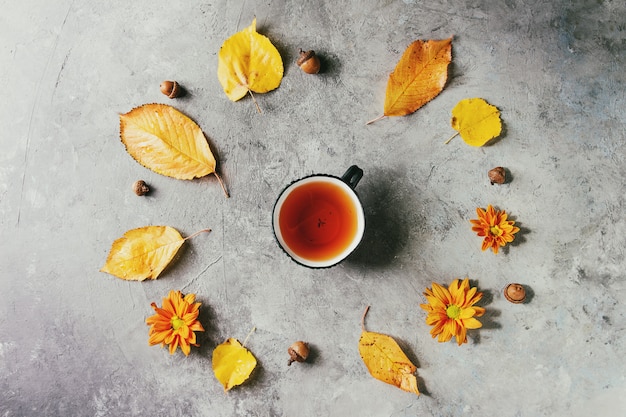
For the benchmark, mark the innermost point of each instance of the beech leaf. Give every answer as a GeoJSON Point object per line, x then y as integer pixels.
{"type": "Point", "coordinates": [144, 252]}
{"type": "Point", "coordinates": [386, 361]}
{"type": "Point", "coordinates": [232, 363]}
{"type": "Point", "coordinates": [419, 76]}
{"type": "Point", "coordinates": [248, 62]}
{"type": "Point", "coordinates": [476, 121]}
{"type": "Point", "coordinates": [168, 142]}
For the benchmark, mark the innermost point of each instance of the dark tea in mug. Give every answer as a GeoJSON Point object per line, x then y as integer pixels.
{"type": "Point", "coordinates": [319, 220]}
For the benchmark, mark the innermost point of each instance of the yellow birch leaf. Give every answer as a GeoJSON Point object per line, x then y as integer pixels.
{"type": "Point", "coordinates": [476, 121]}
{"type": "Point", "coordinates": [168, 142]}
{"type": "Point", "coordinates": [232, 363]}
{"type": "Point", "coordinates": [248, 61]}
{"type": "Point", "coordinates": [386, 361]}
{"type": "Point", "coordinates": [144, 252]}
{"type": "Point", "coordinates": [419, 76]}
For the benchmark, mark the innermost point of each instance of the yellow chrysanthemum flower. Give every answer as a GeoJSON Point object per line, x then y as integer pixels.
{"type": "Point", "coordinates": [175, 323]}
{"type": "Point", "coordinates": [494, 227]}
{"type": "Point", "coordinates": [451, 310]}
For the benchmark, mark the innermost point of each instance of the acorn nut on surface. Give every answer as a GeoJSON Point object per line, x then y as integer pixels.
{"type": "Point", "coordinates": [308, 62]}
{"type": "Point", "coordinates": [140, 187]}
{"type": "Point", "coordinates": [298, 352]}
{"type": "Point", "coordinates": [515, 293]}
{"type": "Point", "coordinates": [497, 175]}
{"type": "Point", "coordinates": [171, 89]}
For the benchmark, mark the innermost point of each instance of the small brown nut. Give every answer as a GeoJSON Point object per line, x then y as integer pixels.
{"type": "Point", "coordinates": [171, 89]}
{"type": "Point", "coordinates": [497, 175]}
{"type": "Point", "coordinates": [298, 352]}
{"type": "Point", "coordinates": [515, 293]}
{"type": "Point", "coordinates": [140, 187]}
{"type": "Point", "coordinates": [309, 62]}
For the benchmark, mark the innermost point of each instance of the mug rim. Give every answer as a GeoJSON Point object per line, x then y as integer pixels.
{"type": "Point", "coordinates": [345, 253]}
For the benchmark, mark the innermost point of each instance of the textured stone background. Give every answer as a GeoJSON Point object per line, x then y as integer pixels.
{"type": "Point", "coordinates": [73, 340]}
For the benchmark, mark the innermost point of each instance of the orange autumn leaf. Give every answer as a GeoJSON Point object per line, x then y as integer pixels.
{"type": "Point", "coordinates": [386, 361]}
{"type": "Point", "coordinates": [168, 142]}
{"type": "Point", "coordinates": [419, 76]}
{"type": "Point", "coordinates": [144, 252]}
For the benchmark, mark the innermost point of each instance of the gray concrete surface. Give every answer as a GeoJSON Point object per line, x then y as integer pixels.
{"type": "Point", "coordinates": [73, 340]}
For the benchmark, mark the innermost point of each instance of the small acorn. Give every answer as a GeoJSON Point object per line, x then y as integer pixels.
{"type": "Point", "coordinates": [515, 293]}
{"type": "Point", "coordinates": [298, 352]}
{"type": "Point", "coordinates": [497, 175]}
{"type": "Point", "coordinates": [141, 188]}
{"type": "Point", "coordinates": [309, 62]}
{"type": "Point", "coordinates": [171, 89]}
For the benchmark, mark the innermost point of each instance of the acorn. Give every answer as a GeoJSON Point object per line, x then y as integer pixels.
{"type": "Point", "coordinates": [171, 89]}
{"type": "Point", "coordinates": [141, 188]}
{"type": "Point", "coordinates": [308, 62]}
{"type": "Point", "coordinates": [497, 175]}
{"type": "Point", "coordinates": [515, 293]}
{"type": "Point", "coordinates": [298, 352]}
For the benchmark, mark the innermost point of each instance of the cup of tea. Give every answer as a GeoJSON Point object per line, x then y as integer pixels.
{"type": "Point", "coordinates": [318, 220]}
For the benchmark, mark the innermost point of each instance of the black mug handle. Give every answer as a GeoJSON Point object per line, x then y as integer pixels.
{"type": "Point", "coordinates": [352, 176]}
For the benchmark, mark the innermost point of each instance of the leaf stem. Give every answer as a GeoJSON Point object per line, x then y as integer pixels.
{"type": "Point", "coordinates": [375, 120]}
{"type": "Point", "coordinates": [248, 336]}
{"type": "Point", "coordinates": [450, 138]}
{"type": "Point", "coordinates": [219, 179]}
{"type": "Point", "coordinates": [363, 318]}
{"type": "Point", "coordinates": [255, 102]}
{"type": "Point", "coordinates": [197, 233]}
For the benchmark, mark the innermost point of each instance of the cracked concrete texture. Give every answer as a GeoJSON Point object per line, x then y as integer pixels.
{"type": "Point", "coordinates": [73, 340]}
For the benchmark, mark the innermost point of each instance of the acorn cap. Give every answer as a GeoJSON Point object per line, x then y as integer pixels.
{"type": "Point", "coordinates": [298, 352]}
{"type": "Point", "coordinates": [304, 56]}
{"type": "Point", "coordinates": [171, 89]}
{"type": "Point", "coordinates": [515, 293]}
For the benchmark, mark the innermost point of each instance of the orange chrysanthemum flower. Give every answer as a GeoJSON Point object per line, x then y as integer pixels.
{"type": "Point", "coordinates": [175, 323]}
{"type": "Point", "coordinates": [451, 310]}
{"type": "Point", "coordinates": [494, 227]}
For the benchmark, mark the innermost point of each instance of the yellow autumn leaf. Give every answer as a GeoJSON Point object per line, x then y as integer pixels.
{"type": "Point", "coordinates": [476, 121]}
{"type": "Point", "coordinates": [168, 142]}
{"type": "Point", "coordinates": [386, 361]}
{"type": "Point", "coordinates": [419, 76]}
{"type": "Point", "coordinates": [232, 363]}
{"type": "Point", "coordinates": [144, 252]}
{"type": "Point", "coordinates": [248, 61]}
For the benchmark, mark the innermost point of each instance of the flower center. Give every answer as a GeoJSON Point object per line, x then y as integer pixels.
{"type": "Point", "coordinates": [177, 322]}
{"type": "Point", "coordinates": [495, 230]}
{"type": "Point", "coordinates": [453, 311]}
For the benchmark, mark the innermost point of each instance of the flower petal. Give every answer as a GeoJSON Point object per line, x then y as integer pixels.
{"type": "Point", "coordinates": [442, 294]}
{"type": "Point", "coordinates": [174, 344]}
{"type": "Point", "coordinates": [461, 337]}
{"type": "Point", "coordinates": [436, 303]}
{"type": "Point", "coordinates": [479, 311]}
{"type": "Point", "coordinates": [190, 298]}
{"type": "Point", "coordinates": [467, 313]}
{"type": "Point", "coordinates": [157, 338]}
{"type": "Point", "coordinates": [472, 323]}
{"type": "Point", "coordinates": [426, 307]}
{"type": "Point", "coordinates": [184, 346]}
